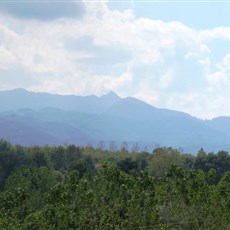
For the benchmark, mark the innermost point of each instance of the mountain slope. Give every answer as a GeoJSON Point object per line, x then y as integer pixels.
{"type": "Point", "coordinates": [38, 118]}
{"type": "Point", "coordinates": [20, 98]}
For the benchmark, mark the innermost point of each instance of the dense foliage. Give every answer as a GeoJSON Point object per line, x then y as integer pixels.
{"type": "Point", "coordinates": [69, 187]}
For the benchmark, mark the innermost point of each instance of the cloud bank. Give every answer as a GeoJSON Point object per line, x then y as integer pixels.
{"type": "Point", "coordinates": [43, 10]}
{"type": "Point", "coordinates": [89, 48]}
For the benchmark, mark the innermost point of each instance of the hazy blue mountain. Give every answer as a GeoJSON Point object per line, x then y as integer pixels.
{"type": "Point", "coordinates": [26, 130]}
{"type": "Point", "coordinates": [165, 127]}
{"type": "Point", "coordinates": [39, 118]}
{"type": "Point", "coordinates": [20, 98]}
{"type": "Point", "coordinates": [220, 123]}
{"type": "Point", "coordinates": [24, 134]}
{"type": "Point", "coordinates": [135, 109]}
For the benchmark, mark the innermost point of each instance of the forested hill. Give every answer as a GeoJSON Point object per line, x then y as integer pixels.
{"type": "Point", "coordinates": [69, 187]}
{"type": "Point", "coordinates": [30, 118]}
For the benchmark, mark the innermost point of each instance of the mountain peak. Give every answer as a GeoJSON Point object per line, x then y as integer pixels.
{"type": "Point", "coordinates": [111, 95]}
{"type": "Point", "coordinates": [110, 98]}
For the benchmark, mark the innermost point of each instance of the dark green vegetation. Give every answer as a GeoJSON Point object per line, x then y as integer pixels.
{"type": "Point", "coordinates": [86, 188]}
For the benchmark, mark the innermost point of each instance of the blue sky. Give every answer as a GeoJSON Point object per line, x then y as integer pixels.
{"type": "Point", "coordinates": [171, 54]}
{"type": "Point", "coordinates": [195, 14]}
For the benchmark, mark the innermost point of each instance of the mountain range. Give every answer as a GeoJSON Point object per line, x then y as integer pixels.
{"type": "Point", "coordinates": [30, 118]}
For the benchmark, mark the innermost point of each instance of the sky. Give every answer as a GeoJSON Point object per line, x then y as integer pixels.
{"type": "Point", "coordinates": [170, 54]}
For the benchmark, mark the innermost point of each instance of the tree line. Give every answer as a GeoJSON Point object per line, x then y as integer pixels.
{"type": "Point", "coordinates": [72, 187]}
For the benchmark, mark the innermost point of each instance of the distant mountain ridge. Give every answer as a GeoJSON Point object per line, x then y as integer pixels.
{"type": "Point", "coordinates": [21, 98]}
{"type": "Point", "coordinates": [30, 118]}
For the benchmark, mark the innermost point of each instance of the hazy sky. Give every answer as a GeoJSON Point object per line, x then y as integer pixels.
{"type": "Point", "coordinates": [171, 54]}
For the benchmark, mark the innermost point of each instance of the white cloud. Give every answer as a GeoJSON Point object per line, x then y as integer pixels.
{"type": "Point", "coordinates": [6, 58]}
{"type": "Point", "coordinates": [81, 83]}
{"type": "Point", "coordinates": [221, 32]}
{"type": "Point", "coordinates": [168, 64]}
{"type": "Point", "coordinates": [166, 79]}
{"type": "Point", "coordinates": [220, 79]}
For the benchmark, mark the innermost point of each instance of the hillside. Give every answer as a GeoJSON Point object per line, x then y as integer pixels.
{"type": "Point", "coordinates": [72, 187]}
{"type": "Point", "coordinates": [30, 118]}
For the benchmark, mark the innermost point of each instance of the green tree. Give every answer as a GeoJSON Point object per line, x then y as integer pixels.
{"type": "Point", "coordinates": [58, 158]}
{"type": "Point", "coordinates": [36, 182]}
